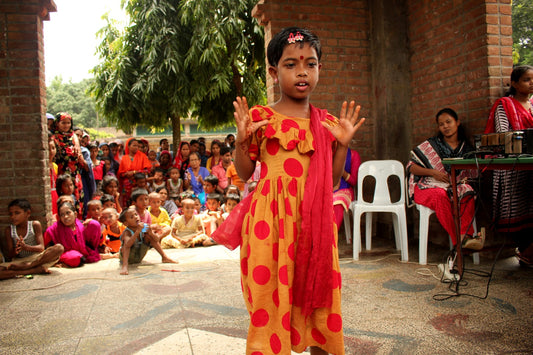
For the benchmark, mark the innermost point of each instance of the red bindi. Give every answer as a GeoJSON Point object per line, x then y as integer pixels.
{"type": "Point", "coordinates": [301, 57]}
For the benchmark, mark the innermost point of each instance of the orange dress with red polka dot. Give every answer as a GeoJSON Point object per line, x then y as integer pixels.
{"type": "Point", "coordinates": [270, 235]}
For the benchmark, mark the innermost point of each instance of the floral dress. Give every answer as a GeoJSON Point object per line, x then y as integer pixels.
{"type": "Point", "coordinates": [270, 235]}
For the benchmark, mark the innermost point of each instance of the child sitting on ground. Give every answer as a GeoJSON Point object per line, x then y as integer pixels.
{"type": "Point", "coordinates": [24, 244]}
{"type": "Point", "coordinates": [212, 217]}
{"type": "Point", "coordinates": [160, 219]}
{"type": "Point", "coordinates": [110, 187]}
{"type": "Point", "coordinates": [108, 201]}
{"type": "Point", "coordinates": [112, 229]}
{"type": "Point", "coordinates": [139, 199]}
{"type": "Point", "coordinates": [136, 239]}
{"type": "Point", "coordinates": [232, 200]}
{"type": "Point", "coordinates": [168, 204]}
{"type": "Point", "coordinates": [158, 180]}
{"type": "Point", "coordinates": [187, 229]}
{"type": "Point", "coordinates": [65, 187]}
{"type": "Point", "coordinates": [140, 181]}
{"type": "Point", "coordinates": [210, 184]}
{"type": "Point", "coordinates": [94, 210]}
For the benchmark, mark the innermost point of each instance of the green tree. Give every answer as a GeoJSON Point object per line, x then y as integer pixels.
{"type": "Point", "coordinates": [523, 32]}
{"type": "Point", "coordinates": [180, 59]}
{"type": "Point", "coordinates": [72, 98]}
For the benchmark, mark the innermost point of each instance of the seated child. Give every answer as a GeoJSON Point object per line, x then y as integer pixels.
{"type": "Point", "coordinates": [94, 210]}
{"type": "Point", "coordinates": [231, 202]}
{"type": "Point", "coordinates": [65, 186]}
{"type": "Point", "coordinates": [24, 244]}
{"type": "Point", "coordinates": [140, 181]}
{"type": "Point", "coordinates": [212, 217]}
{"type": "Point", "coordinates": [174, 184]}
{"type": "Point", "coordinates": [158, 180]}
{"type": "Point", "coordinates": [210, 184]}
{"type": "Point", "coordinates": [136, 239]}
{"type": "Point", "coordinates": [139, 199]}
{"type": "Point", "coordinates": [160, 219]}
{"type": "Point", "coordinates": [198, 207]}
{"type": "Point", "coordinates": [108, 201]}
{"type": "Point", "coordinates": [112, 229]}
{"type": "Point", "coordinates": [187, 229]}
{"type": "Point", "coordinates": [110, 186]}
{"type": "Point", "coordinates": [168, 204]}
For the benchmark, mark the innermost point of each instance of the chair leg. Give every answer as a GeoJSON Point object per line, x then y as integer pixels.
{"type": "Point", "coordinates": [368, 230]}
{"type": "Point", "coordinates": [356, 234]}
{"type": "Point", "coordinates": [396, 225]}
{"type": "Point", "coordinates": [423, 229]}
{"type": "Point", "coordinates": [347, 229]}
{"type": "Point", "coordinates": [402, 224]}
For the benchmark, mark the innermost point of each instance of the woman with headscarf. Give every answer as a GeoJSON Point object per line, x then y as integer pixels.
{"type": "Point", "coordinates": [131, 163]}
{"type": "Point", "coordinates": [165, 162]}
{"type": "Point", "coordinates": [182, 158]}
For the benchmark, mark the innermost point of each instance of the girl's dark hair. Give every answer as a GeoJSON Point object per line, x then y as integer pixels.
{"type": "Point", "coordinates": [212, 179]}
{"type": "Point", "coordinates": [161, 188]}
{"type": "Point", "coordinates": [68, 204]}
{"type": "Point", "coordinates": [61, 179]}
{"type": "Point", "coordinates": [122, 216]}
{"type": "Point", "coordinates": [461, 132]}
{"type": "Point", "coordinates": [234, 197]}
{"type": "Point", "coordinates": [22, 203]}
{"type": "Point", "coordinates": [515, 77]}
{"type": "Point", "coordinates": [106, 198]}
{"type": "Point", "coordinates": [130, 142]}
{"type": "Point", "coordinates": [280, 41]}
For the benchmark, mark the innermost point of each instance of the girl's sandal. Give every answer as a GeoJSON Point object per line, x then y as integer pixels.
{"type": "Point", "coordinates": [474, 242]}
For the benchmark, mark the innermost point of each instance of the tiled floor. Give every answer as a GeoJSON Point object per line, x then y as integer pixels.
{"type": "Point", "coordinates": [389, 307]}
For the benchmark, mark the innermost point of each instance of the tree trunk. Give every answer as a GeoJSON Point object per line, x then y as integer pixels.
{"type": "Point", "coordinates": [176, 132]}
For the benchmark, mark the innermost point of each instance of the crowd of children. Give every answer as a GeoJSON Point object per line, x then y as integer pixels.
{"type": "Point", "coordinates": [141, 198]}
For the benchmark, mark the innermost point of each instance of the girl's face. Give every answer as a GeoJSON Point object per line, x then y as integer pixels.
{"type": "Point", "coordinates": [108, 218]}
{"type": "Point", "coordinates": [68, 187]}
{"type": "Point", "coordinates": [297, 71]}
{"type": "Point", "coordinates": [94, 153]}
{"type": "Point", "coordinates": [185, 151]}
{"type": "Point", "coordinates": [114, 150]}
{"type": "Point", "coordinates": [174, 174]}
{"type": "Point", "coordinates": [158, 176]}
{"type": "Point", "coordinates": [52, 150]}
{"type": "Point", "coordinates": [188, 208]}
{"type": "Point", "coordinates": [107, 165]}
{"type": "Point", "coordinates": [111, 188]}
{"type": "Point", "coordinates": [524, 86]}
{"type": "Point", "coordinates": [163, 193]}
{"type": "Point", "coordinates": [105, 150]}
{"type": "Point", "coordinates": [164, 159]}
{"type": "Point", "coordinates": [197, 205]}
{"type": "Point", "coordinates": [212, 205]}
{"type": "Point", "coordinates": [208, 188]}
{"type": "Point", "coordinates": [230, 205]}
{"type": "Point", "coordinates": [67, 216]}
{"type": "Point", "coordinates": [447, 125]}
{"type": "Point", "coordinates": [152, 155]}
{"type": "Point", "coordinates": [215, 150]}
{"type": "Point", "coordinates": [64, 125]}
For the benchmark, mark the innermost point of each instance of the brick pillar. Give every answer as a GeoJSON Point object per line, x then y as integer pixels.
{"type": "Point", "coordinates": [24, 149]}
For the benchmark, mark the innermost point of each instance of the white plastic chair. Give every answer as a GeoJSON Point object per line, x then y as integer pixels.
{"type": "Point", "coordinates": [347, 227]}
{"type": "Point", "coordinates": [423, 228]}
{"type": "Point", "coordinates": [381, 170]}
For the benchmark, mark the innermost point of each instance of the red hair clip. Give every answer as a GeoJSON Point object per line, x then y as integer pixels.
{"type": "Point", "coordinates": [293, 39]}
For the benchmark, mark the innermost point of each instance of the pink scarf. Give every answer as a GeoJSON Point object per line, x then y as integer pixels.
{"type": "Point", "coordinates": [313, 273]}
{"type": "Point", "coordinates": [519, 118]}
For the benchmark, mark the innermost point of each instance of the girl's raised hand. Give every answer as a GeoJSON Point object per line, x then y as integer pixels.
{"type": "Point", "coordinates": [349, 123]}
{"type": "Point", "coordinates": [245, 128]}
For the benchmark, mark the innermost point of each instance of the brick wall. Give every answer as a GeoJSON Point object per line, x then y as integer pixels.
{"type": "Point", "coordinates": [460, 58]}
{"type": "Point", "coordinates": [343, 28]}
{"type": "Point", "coordinates": [23, 133]}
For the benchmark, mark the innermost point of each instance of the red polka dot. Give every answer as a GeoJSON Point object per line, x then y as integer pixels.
{"type": "Point", "coordinates": [335, 322]}
{"type": "Point", "coordinates": [260, 318]}
{"type": "Point", "coordinates": [283, 275]}
{"type": "Point", "coordinates": [264, 170]}
{"type": "Point", "coordinates": [274, 208]}
{"type": "Point", "coordinates": [286, 321]}
{"type": "Point", "coordinates": [288, 124]}
{"type": "Point", "coordinates": [275, 343]}
{"type": "Point", "coordinates": [269, 131]}
{"type": "Point", "coordinates": [292, 144]}
{"type": "Point", "coordinates": [301, 134]}
{"type": "Point", "coordinates": [295, 228]}
{"type": "Point", "coordinates": [244, 266]}
{"type": "Point", "coordinates": [256, 115]}
{"type": "Point", "coordinates": [266, 188]}
{"type": "Point", "coordinates": [272, 146]}
{"type": "Point", "coordinates": [280, 185]}
{"type": "Point", "coordinates": [293, 187]}
{"type": "Point", "coordinates": [318, 336]}
{"type": "Point", "coordinates": [334, 279]}
{"type": "Point", "coordinates": [340, 280]}
{"type": "Point", "coordinates": [257, 353]}
{"type": "Point", "coordinates": [290, 251]}
{"type": "Point", "coordinates": [293, 167]}
{"type": "Point", "coordinates": [261, 274]}
{"type": "Point", "coordinates": [275, 297]}
{"type": "Point", "coordinates": [262, 230]}
{"type": "Point", "coordinates": [288, 209]}
{"type": "Point", "coordinates": [295, 336]}
{"type": "Point", "coordinates": [275, 251]}
{"type": "Point", "coordinates": [281, 229]}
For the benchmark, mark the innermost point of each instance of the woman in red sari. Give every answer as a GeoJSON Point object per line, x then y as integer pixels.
{"type": "Point", "coordinates": [512, 190]}
{"type": "Point", "coordinates": [132, 162]}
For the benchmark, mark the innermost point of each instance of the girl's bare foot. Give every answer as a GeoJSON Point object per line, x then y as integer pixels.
{"type": "Point", "coordinates": [124, 271]}
{"type": "Point", "coordinates": [169, 260]}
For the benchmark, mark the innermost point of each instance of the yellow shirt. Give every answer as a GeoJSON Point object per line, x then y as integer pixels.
{"type": "Point", "coordinates": [163, 219]}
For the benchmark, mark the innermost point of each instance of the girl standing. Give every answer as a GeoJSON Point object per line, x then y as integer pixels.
{"type": "Point", "coordinates": [68, 156]}
{"type": "Point", "coordinates": [133, 161]}
{"type": "Point", "coordinates": [512, 190]}
{"type": "Point", "coordinates": [289, 259]}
